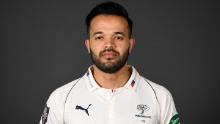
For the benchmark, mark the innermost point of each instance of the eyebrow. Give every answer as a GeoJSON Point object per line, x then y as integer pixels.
{"type": "Point", "coordinates": [121, 33]}
{"type": "Point", "coordinates": [100, 32]}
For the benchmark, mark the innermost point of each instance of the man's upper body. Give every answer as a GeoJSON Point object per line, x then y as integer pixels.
{"type": "Point", "coordinates": [111, 92]}
{"type": "Point", "coordinates": [83, 101]}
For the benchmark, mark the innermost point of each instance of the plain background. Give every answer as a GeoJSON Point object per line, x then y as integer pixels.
{"type": "Point", "coordinates": [177, 46]}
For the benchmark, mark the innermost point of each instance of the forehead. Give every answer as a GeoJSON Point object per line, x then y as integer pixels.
{"type": "Point", "coordinates": [108, 24]}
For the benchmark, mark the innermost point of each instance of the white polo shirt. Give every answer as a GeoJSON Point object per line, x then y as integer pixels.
{"type": "Point", "coordinates": [83, 101]}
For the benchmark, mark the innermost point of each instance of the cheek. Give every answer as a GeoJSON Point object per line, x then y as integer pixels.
{"type": "Point", "coordinates": [95, 49]}
{"type": "Point", "coordinates": [124, 48]}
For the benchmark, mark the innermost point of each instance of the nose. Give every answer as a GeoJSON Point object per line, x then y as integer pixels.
{"type": "Point", "coordinates": [110, 43]}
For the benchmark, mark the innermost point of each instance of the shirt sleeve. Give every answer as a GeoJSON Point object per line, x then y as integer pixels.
{"type": "Point", "coordinates": [168, 113]}
{"type": "Point", "coordinates": [53, 110]}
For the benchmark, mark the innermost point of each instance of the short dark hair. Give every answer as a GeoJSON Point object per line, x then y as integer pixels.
{"type": "Point", "coordinates": [109, 8]}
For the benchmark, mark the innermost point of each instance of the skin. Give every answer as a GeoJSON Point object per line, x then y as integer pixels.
{"type": "Point", "coordinates": [110, 31]}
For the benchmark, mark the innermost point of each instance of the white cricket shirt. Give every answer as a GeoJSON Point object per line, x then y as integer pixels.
{"type": "Point", "coordinates": [83, 101]}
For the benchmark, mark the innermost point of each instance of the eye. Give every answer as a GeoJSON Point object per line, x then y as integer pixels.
{"type": "Point", "coordinates": [98, 38]}
{"type": "Point", "coordinates": [119, 38]}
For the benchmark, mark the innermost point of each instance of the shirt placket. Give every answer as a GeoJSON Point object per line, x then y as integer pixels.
{"type": "Point", "coordinates": [111, 107]}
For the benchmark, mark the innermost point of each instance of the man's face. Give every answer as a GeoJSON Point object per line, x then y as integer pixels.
{"type": "Point", "coordinates": [109, 44]}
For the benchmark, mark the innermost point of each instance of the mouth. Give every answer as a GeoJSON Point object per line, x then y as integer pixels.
{"type": "Point", "coordinates": [109, 55]}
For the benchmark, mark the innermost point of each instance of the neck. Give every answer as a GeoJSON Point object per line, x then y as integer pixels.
{"type": "Point", "coordinates": [114, 80]}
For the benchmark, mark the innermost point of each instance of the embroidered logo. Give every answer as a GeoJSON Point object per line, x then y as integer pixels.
{"type": "Point", "coordinates": [81, 108]}
{"type": "Point", "coordinates": [142, 108]}
{"type": "Point", "coordinates": [45, 114]}
{"type": "Point", "coordinates": [132, 83]}
{"type": "Point", "coordinates": [175, 119]}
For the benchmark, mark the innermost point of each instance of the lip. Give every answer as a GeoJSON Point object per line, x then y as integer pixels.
{"type": "Point", "coordinates": [109, 54]}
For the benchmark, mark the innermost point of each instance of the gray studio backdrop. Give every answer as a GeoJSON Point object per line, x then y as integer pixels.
{"type": "Point", "coordinates": [176, 46]}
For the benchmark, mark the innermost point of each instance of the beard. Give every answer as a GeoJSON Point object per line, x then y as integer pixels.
{"type": "Point", "coordinates": [110, 66]}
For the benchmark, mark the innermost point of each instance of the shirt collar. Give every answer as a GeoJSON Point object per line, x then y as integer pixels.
{"type": "Point", "coordinates": [131, 83]}
{"type": "Point", "coordinates": [133, 80]}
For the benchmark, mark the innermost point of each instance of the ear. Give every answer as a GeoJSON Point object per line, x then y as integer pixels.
{"type": "Point", "coordinates": [132, 44]}
{"type": "Point", "coordinates": [87, 44]}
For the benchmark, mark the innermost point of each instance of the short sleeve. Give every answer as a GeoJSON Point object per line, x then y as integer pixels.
{"type": "Point", "coordinates": [168, 113]}
{"type": "Point", "coordinates": [53, 110]}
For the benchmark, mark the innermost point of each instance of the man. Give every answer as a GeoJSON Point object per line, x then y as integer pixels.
{"type": "Point", "coordinates": [111, 91]}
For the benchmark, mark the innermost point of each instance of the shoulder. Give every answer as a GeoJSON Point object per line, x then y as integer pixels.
{"type": "Point", "coordinates": [161, 92]}
{"type": "Point", "coordinates": [62, 92]}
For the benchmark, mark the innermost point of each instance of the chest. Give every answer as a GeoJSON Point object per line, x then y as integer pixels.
{"type": "Point", "coordinates": [123, 108]}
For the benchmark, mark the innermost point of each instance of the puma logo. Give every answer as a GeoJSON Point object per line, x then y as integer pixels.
{"type": "Point", "coordinates": [81, 108]}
